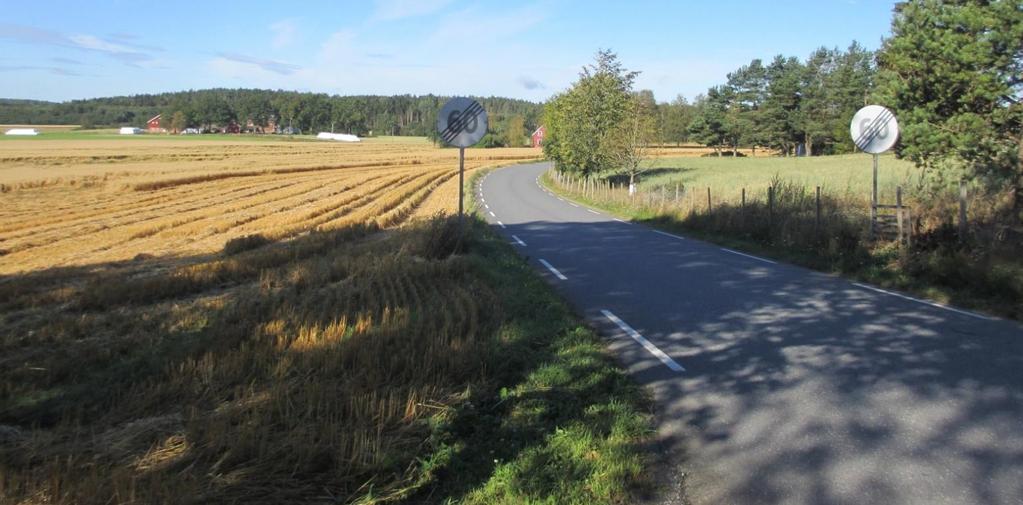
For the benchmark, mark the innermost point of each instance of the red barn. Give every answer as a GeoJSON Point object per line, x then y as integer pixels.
{"type": "Point", "coordinates": [538, 136]}
{"type": "Point", "coordinates": [153, 125]}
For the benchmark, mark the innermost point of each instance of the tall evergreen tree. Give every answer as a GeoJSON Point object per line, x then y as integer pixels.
{"type": "Point", "coordinates": [953, 72]}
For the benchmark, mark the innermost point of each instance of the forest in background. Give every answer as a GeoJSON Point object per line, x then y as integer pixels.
{"type": "Point", "coordinates": [511, 120]}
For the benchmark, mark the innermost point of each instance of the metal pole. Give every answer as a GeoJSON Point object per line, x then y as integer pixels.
{"type": "Point", "coordinates": [461, 183]}
{"type": "Point", "coordinates": [873, 202]}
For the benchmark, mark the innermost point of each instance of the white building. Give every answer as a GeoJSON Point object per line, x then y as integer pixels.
{"type": "Point", "coordinates": [130, 130]}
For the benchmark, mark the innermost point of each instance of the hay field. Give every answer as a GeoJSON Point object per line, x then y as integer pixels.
{"type": "Point", "coordinates": [74, 203]}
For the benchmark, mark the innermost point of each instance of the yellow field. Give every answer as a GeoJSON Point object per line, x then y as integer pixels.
{"type": "Point", "coordinates": [74, 203]}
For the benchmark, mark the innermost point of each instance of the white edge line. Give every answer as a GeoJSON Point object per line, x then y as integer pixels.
{"type": "Point", "coordinates": [553, 270]}
{"type": "Point", "coordinates": [925, 302]}
{"type": "Point", "coordinates": [666, 234]}
{"type": "Point", "coordinates": [502, 224]}
{"type": "Point", "coordinates": [725, 249]}
{"type": "Point", "coordinates": [518, 240]}
{"type": "Point", "coordinates": [670, 363]}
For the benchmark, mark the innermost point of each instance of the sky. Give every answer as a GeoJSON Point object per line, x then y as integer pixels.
{"type": "Point", "coordinates": [61, 50]}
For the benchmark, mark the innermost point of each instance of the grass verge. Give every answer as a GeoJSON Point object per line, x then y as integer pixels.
{"type": "Point", "coordinates": [937, 267]}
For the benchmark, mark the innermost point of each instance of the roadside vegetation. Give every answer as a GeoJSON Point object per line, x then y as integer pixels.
{"type": "Point", "coordinates": [962, 132]}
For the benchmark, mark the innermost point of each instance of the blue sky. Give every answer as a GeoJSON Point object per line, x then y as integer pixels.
{"type": "Point", "coordinates": [61, 50]}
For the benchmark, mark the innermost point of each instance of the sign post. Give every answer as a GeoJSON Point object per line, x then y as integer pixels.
{"type": "Point", "coordinates": [874, 130]}
{"type": "Point", "coordinates": [462, 122]}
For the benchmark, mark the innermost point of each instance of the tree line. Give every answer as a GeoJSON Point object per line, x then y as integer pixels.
{"type": "Point", "coordinates": [308, 112]}
{"type": "Point", "coordinates": [786, 105]}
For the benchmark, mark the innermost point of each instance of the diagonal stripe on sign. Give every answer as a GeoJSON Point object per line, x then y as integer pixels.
{"type": "Point", "coordinates": [456, 127]}
{"type": "Point", "coordinates": [870, 132]}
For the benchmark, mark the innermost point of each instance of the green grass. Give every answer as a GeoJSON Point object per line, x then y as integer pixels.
{"type": "Point", "coordinates": [939, 266]}
{"type": "Point", "coordinates": [111, 134]}
{"type": "Point", "coordinates": [844, 174]}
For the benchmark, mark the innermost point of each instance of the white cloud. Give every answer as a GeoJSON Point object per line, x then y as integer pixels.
{"type": "Point", "coordinates": [339, 45]}
{"type": "Point", "coordinates": [389, 10]}
{"type": "Point", "coordinates": [283, 33]}
{"type": "Point", "coordinates": [277, 67]}
{"type": "Point", "coordinates": [473, 26]}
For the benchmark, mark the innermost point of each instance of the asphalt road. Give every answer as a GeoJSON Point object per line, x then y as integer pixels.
{"type": "Point", "coordinates": [776, 384]}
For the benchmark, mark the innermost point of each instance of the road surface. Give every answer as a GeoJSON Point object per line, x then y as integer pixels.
{"type": "Point", "coordinates": [776, 384]}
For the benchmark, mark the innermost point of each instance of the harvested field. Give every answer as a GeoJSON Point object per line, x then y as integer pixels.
{"type": "Point", "coordinates": [277, 322]}
{"type": "Point", "coordinates": [72, 203]}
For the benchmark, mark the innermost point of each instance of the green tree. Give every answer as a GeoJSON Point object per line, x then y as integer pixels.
{"type": "Point", "coordinates": [582, 122]}
{"type": "Point", "coordinates": [953, 72]}
{"type": "Point", "coordinates": [515, 131]}
{"type": "Point", "coordinates": [675, 120]}
{"type": "Point", "coordinates": [178, 121]}
{"type": "Point", "coordinates": [779, 112]}
{"type": "Point", "coordinates": [634, 137]}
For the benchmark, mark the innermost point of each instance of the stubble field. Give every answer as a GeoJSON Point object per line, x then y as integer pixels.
{"type": "Point", "coordinates": [211, 321]}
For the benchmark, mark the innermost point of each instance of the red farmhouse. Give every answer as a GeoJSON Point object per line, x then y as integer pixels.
{"type": "Point", "coordinates": [153, 124]}
{"type": "Point", "coordinates": [538, 136]}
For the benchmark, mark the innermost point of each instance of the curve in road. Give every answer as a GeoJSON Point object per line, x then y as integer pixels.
{"type": "Point", "coordinates": [776, 384]}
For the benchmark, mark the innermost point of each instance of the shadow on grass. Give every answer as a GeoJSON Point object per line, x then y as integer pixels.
{"type": "Point", "coordinates": [338, 366]}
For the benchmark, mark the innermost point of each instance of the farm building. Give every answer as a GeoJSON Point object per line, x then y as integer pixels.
{"type": "Point", "coordinates": [538, 135]}
{"type": "Point", "coordinates": [130, 130]}
{"type": "Point", "coordinates": [22, 131]}
{"type": "Point", "coordinates": [153, 125]}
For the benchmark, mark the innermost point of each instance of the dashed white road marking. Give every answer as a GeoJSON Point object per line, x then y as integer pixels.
{"type": "Point", "coordinates": [492, 214]}
{"type": "Point", "coordinates": [572, 204]}
{"type": "Point", "coordinates": [666, 234]}
{"type": "Point", "coordinates": [925, 302]}
{"type": "Point", "coordinates": [659, 354]}
{"type": "Point", "coordinates": [553, 270]}
{"type": "Point", "coordinates": [748, 256]}
{"type": "Point", "coordinates": [620, 221]}
{"type": "Point", "coordinates": [502, 224]}
{"type": "Point", "coordinates": [487, 206]}
{"type": "Point", "coordinates": [518, 240]}
{"type": "Point", "coordinates": [591, 211]}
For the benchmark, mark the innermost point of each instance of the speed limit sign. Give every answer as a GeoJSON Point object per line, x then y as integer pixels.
{"type": "Point", "coordinates": [874, 129]}
{"type": "Point", "coordinates": [462, 122]}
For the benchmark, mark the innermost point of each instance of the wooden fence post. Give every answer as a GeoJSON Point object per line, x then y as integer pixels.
{"type": "Point", "coordinates": [898, 211]}
{"type": "Point", "coordinates": [743, 205]}
{"type": "Point", "coordinates": [817, 220]}
{"type": "Point", "coordinates": [770, 206]}
{"type": "Point", "coordinates": [676, 193]}
{"type": "Point", "coordinates": [963, 228]}
{"type": "Point", "coordinates": [709, 207]}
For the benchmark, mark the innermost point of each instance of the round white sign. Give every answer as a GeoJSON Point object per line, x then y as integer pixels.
{"type": "Point", "coordinates": [874, 129]}
{"type": "Point", "coordinates": [462, 122]}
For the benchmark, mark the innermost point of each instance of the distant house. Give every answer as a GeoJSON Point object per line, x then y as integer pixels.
{"type": "Point", "coordinates": [538, 135]}
{"type": "Point", "coordinates": [233, 127]}
{"type": "Point", "coordinates": [153, 125]}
